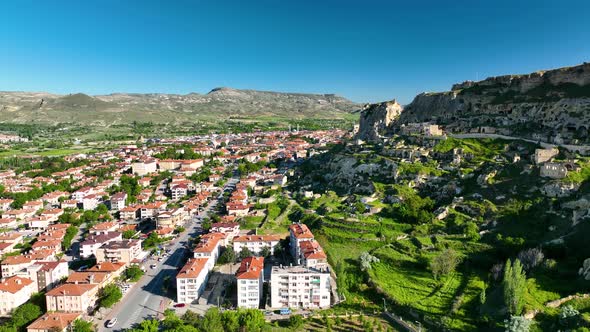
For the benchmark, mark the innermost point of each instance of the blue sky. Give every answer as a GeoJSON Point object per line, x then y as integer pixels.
{"type": "Point", "coordinates": [364, 50]}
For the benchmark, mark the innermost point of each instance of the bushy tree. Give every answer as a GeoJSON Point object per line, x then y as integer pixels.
{"type": "Point", "coordinates": [24, 315]}
{"type": "Point", "coordinates": [531, 258]}
{"type": "Point", "coordinates": [445, 263]}
{"type": "Point", "coordinates": [228, 256]}
{"type": "Point", "coordinates": [568, 316]}
{"type": "Point", "coordinates": [110, 295]}
{"type": "Point", "coordinates": [265, 251]}
{"type": "Point", "coordinates": [245, 252]}
{"type": "Point", "coordinates": [366, 260]}
{"type": "Point", "coordinates": [81, 325]}
{"type": "Point", "coordinates": [295, 322]}
{"type": "Point", "coordinates": [128, 234]}
{"type": "Point", "coordinates": [517, 324]}
{"type": "Point", "coordinates": [133, 273]}
{"type": "Point", "coordinates": [211, 321]}
{"type": "Point", "coordinates": [514, 284]}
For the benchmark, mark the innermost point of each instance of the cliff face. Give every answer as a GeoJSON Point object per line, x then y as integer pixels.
{"type": "Point", "coordinates": [549, 105]}
{"type": "Point", "coordinates": [377, 118]}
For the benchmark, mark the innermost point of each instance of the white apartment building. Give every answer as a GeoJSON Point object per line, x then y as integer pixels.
{"type": "Point", "coordinates": [250, 277]}
{"type": "Point", "coordinates": [14, 292]}
{"type": "Point", "coordinates": [255, 243]}
{"type": "Point", "coordinates": [299, 287]}
{"type": "Point", "coordinates": [191, 280]}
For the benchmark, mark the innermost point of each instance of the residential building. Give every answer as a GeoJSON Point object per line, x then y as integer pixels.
{"type": "Point", "coordinates": [118, 201]}
{"type": "Point", "coordinates": [298, 232]}
{"type": "Point", "coordinates": [124, 251]}
{"type": "Point", "coordinates": [14, 292]}
{"type": "Point", "coordinates": [255, 243]}
{"type": "Point", "coordinates": [210, 248]}
{"type": "Point", "coordinates": [89, 246]}
{"type": "Point", "coordinates": [250, 283]}
{"type": "Point", "coordinates": [72, 298]}
{"type": "Point", "coordinates": [299, 287]}
{"type": "Point", "coordinates": [54, 322]}
{"type": "Point", "coordinates": [191, 280]}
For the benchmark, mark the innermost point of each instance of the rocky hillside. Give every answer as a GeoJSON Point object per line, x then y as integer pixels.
{"type": "Point", "coordinates": [552, 106]}
{"type": "Point", "coordinates": [120, 108]}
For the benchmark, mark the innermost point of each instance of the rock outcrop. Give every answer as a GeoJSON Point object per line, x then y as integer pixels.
{"type": "Point", "coordinates": [551, 106]}
{"type": "Point", "coordinates": [377, 118]}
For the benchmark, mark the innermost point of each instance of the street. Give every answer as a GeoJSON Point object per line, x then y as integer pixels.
{"type": "Point", "coordinates": [147, 298]}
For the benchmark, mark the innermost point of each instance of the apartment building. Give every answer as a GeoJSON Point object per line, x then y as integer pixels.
{"type": "Point", "coordinates": [250, 277]}
{"type": "Point", "coordinates": [255, 243]}
{"type": "Point", "coordinates": [210, 248]}
{"type": "Point", "coordinates": [14, 292]}
{"type": "Point", "coordinates": [299, 287]}
{"type": "Point", "coordinates": [72, 298]}
{"type": "Point", "coordinates": [191, 280]}
{"type": "Point", "coordinates": [89, 247]}
{"type": "Point", "coordinates": [54, 322]}
{"type": "Point", "coordinates": [123, 251]}
{"type": "Point", "coordinates": [298, 233]}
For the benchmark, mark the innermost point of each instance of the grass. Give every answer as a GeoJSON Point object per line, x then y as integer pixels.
{"type": "Point", "coordinates": [251, 222]}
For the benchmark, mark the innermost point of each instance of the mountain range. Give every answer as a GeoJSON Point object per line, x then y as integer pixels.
{"type": "Point", "coordinates": [217, 105]}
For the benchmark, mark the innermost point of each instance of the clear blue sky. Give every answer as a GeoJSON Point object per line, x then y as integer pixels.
{"type": "Point", "coordinates": [364, 50]}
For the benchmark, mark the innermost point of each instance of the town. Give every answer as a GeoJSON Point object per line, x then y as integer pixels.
{"type": "Point", "coordinates": [117, 237]}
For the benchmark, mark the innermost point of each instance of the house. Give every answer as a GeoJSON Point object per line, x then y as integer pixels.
{"type": "Point", "coordinates": [171, 218]}
{"type": "Point", "coordinates": [12, 264]}
{"type": "Point", "coordinates": [312, 255]}
{"type": "Point", "coordinates": [179, 191]}
{"type": "Point", "coordinates": [14, 292]}
{"type": "Point", "coordinates": [54, 245]}
{"type": "Point", "coordinates": [123, 251]}
{"type": "Point", "coordinates": [54, 322]}
{"type": "Point", "coordinates": [191, 280]}
{"type": "Point", "coordinates": [129, 213]}
{"type": "Point", "coordinates": [544, 155]}
{"type": "Point", "coordinates": [299, 287]}
{"type": "Point", "coordinates": [45, 275]}
{"type": "Point", "coordinates": [255, 243]}
{"type": "Point", "coordinates": [553, 170]}
{"type": "Point", "coordinates": [89, 246]}
{"type": "Point", "coordinates": [72, 298]}
{"type": "Point", "coordinates": [118, 201]}
{"type": "Point", "coordinates": [250, 283]}
{"type": "Point", "coordinates": [90, 277]}
{"type": "Point", "coordinates": [230, 229]}
{"type": "Point", "coordinates": [5, 203]}
{"type": "Point", "coordinates": [115, 269]}
{"type": "Point", "coordinates": [104, 227]}
{"type": "Point", "coordinates": [90, 202]}
{"type": "Point", "coordinates": [69, 204]}
{"type": "Point", "coordinates": [237, 209]}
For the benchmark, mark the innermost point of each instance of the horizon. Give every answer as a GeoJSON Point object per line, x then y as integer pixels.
{"type": "Point", "coordinates": [366, 53]}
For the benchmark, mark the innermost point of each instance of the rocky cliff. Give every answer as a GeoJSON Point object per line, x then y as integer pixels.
{"type": "Point", "coordinates": [375, 119]}
{"type": "Point", "coordinates": [551, 105]}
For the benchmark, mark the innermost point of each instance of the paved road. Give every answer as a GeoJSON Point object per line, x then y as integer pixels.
{"type": "Point", "coordinates": [147, 298]}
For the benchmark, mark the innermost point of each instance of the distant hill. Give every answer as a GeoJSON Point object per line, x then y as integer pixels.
{"type": "Point", "coordinates": [217, 105]}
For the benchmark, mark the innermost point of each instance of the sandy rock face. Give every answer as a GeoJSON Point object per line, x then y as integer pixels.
{"type": "Point", "coordinates": [376, 118]}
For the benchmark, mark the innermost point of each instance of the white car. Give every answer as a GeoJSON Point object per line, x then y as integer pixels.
{"type": "Point", "coordinates": [111, 322]}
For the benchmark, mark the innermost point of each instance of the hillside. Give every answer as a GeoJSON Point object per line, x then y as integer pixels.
{"type": "Point", "coordinates": [123, 108]}
{"type": "Point", "coordinates": [551, 106]}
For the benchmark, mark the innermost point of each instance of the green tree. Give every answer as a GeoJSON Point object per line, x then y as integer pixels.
{"type": "Point", "coordinates": [295, 322]}
{"type": "Point", "coordinates": [245, 252]}
{"type": "Point", "coordinates": [517, 324]}
{"type": "Point", "coordinates": [128, 234]}
{"type": "Point", "coordinates": [211, 321]}
{"type": "Point", "coordinates": [514, 284]}
{"type": "Point", "coordinates": [81, 325]}
{"type": "Point", "coordinates": [133, 273]}
{"type": "Point", "coordinates": [110, 295]}
{"type": "Point", "coordinates": [444, 263]}
{"type": "Point", "coordinates": [230, 320]}
{"type": "Point", "coordinates": [66, 242]}
{"type": "Point", "coordinates": [228, 256]}
{"type": "Point", "coordinates": [24, 315]}
{"type": "Point", "coordinates": [265, 251]}
{"type": "Point", "coordinates": [251, 319]}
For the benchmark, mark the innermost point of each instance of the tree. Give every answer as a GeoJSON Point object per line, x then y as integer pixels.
{"type": "Point", "coordinates": [66, 242]}
{"type": "Point", "coordinates": [81, 325]}
{"type": "Point", "coordinates": [149, 325]}
{"type": "Point", "coordinates": [133, 273]}
{"type": "Point", "coordinates": [245, 252]}
{"type": "Point", "coordinates": [366, 260]}
{"type": "Point", "coordinates": [211, 321]}
{"type": "Point", "coordinates": [128, 234]}
{"type": "Point", "coordinates": [265, 251]}
{"type": "Point", "coordinates": [110, 295]}
{"type": "Point", "coordinates": [228, 256]}
{"type": "Point", "coordinates": [295, 322]}
{"type": "Point", "coordinates": [517, 324]}
{"type": "Point", "coordinates": [24, 315]}
{"type": "Point", "coordinates": [531, 258]}
{"type": "Point", "coordinates": [514, 284]}
{"type": "Point", "coordinates": [251, 319]}
{"type": "Point", "coordinates": [444, 263]}
{"type": "Point", "coordinates": [568, 316]}
{"type": "Point", "coordinates": [230, 320]}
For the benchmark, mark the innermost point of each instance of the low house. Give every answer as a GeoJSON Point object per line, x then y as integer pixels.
{"type": "Point", "coordinates": [54, 322]}
{"type": "Point", "coordinates": [104, 227]}
{"type": "Point", "coordinates": [237, 209]}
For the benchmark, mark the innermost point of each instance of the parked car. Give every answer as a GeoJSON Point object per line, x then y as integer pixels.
{"type": "Point", "coordinates": [153, 266]}
{"type": "Point", "coordinates": [179, 305]}
{"type": "Point", "coordinates": [285, 311]}
{"type": "Point", "coordinates": [111, 322]}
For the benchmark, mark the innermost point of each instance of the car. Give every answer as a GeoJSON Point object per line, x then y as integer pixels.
{"type": "Point", "coordinates": [285, 311]}
{"type": "Point", "coordinates": [111, 322]}
{"type": "Point", "coordinates": [153, 266]}
{"type": "Point", "coordinates": [179, 305]}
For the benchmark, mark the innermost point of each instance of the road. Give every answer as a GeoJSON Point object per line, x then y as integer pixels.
{"type": "Point", "coordinates": [147, 298]}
